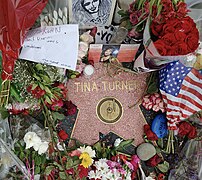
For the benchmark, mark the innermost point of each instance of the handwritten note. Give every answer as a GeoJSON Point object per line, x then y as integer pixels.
{"type": "Point", "coordinates": [52, 45]}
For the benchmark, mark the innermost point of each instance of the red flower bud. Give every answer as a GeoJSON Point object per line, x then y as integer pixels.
{"type": "Point", "coordinates": [150, 135]}
{"type": "Point", "coordinates": [154, 161]}
{"type": "Point", "coordinates": [63, 135]}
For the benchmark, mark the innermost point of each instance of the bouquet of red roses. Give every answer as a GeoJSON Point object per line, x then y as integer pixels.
{"type": "Point", "coordinates": [169, 35]}
{"type": "Point", "coordinates": [173, 32]}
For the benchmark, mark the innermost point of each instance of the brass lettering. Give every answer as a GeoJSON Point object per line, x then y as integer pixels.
{"type": "Point", "coordinates": [86, 86]}
{"type": "Point", "coordinates": [111, 88]}
{"type": "Point", "coordinates": [118, 85]}
{"type": "Point", "coordinates": [94, 87]}
{"type": "Point", "coordinates": [104, 83]}
{"type": "Point", "coordinates": [124, 85]}
{"type": "Point", "coordinates": [77, 86]}
{"type": "Point", "coordinates": [131, 85]}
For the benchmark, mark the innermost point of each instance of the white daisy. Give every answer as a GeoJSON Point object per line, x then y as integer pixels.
{"type": "Point", "coordinates": [88, 150]}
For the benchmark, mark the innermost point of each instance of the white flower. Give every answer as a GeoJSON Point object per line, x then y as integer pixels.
{"type": "Point", "coordinates": [128, 176]}
{"type": "Point", "coordinates": [86, 37]}
{"type": "Point", "coordinates": [94, 175]}
{"type": "Point", "coordinates": [32, 140]}
{"type": "Point", "coordinates": [83, 46]}
{"type": "Point", "coordinates": [117, 174]}
{"type": "Point", "coordinates": [43, 147]}
{"type": "Point", "coordinates": [101, 165]}
{"type": "Point", "coordinates": [117, 142]}
{"type": "Point", "coordinates": [88, 150]}
{"type": "Point", "coordinates": [60, 147]}
{"type": "Point", "coordinates": [149, 178]}
{"type": "Point", "coordinates": [81, 55]}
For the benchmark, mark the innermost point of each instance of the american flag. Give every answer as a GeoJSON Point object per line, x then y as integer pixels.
{"type": "Point", "coordinates": [181, 89]}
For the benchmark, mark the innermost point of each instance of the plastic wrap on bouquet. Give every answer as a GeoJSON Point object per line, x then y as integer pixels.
{"type": "Point", "coordinates": [180, 87]}
{"type": "Point", "coordinates": [149, 59]}
{"type": "Point", "coordinates": [16, 17]}
{"type": "Point", "coordinates": [190, 166]}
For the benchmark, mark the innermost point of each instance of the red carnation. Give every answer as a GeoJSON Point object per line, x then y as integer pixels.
{"type": "Point", "coordinates": [154, 161]}
{"type": "Point", "coordinates": [71, 108]}
{"type": "Point", "coordinates": [83, 172]}
{"type": "Point", "coordinates": [184, 128]}
{"type": "Point", "coordinates": [63, 135]}
{"type": "Point", "coordinates": [193, 133]}
{"type": "Point", "coordinates": [160, 176]}
{"type": "Point", "coordinates": [150, 135]}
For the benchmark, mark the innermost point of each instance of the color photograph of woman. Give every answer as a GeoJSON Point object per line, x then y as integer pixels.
{"type": "Point", "coordinates": [109, 53]}
{"type": "Point", "coordinates": [91, 12]}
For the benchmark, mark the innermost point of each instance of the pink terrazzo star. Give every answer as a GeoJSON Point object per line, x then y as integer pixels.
{"type": "Point", "coordinates": [87, 92]}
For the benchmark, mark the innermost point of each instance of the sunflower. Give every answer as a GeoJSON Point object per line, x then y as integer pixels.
{"type": "Point", "coordinates": [86, 160]}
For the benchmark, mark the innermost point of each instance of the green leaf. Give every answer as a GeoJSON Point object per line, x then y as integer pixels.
{"type": "Point", "coordinates": [37, 170]}
{"type": "Point", "coordinates": [58, 165]}
{"type": "Point", "coordinates": [41, 86]}
{"type": "Point", "coordinates": [34, 86]}
{"type": "Point", "coordinates": [39, 67]}
{"type": "Point", "coordinates": [37, 160]}
{"type": "Point", "coordinates": [48, 169]}
{"type": "Point", "coordinates": [126, 143]}
{"type": "Point", "coordinates": [73, 76]}
{"type": "Point", "coordinates": [97, 146]}
{"type": "Point", "coordinates": [15, 93]}
{"type": "Point", "coordinates": [47, 90]}
{"type": "Point", "coordinates": [4, 113]}
{"type": "Point", "coordinates": [62, 175]}
{"type": "Point", "coordinates": [163, 167]}
{"type": "Point", "coordinates": [48, 100]}
{"type": "Point", "coordinates": [69, 163]}
{"type": "Point", "coordinates": [152, 88]}
{"type": "Point", "coordinates": [22, 155]}
{"type": "Point", "coordinates": [36, 77]}
{"type": "Point", "coordinates": [57, 115]}
{"type": "Point", "coordinates": [46, 78]}
{"type": "Point", "coordinates": [159, 9]}
{"type": "Point", "coordinates": [122, 13]}
{"type": "Point", "coordinates": [160, 142]}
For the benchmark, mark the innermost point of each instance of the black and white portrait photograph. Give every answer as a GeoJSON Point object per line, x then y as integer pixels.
{"type": "Point", "coordinates": [91, 12]}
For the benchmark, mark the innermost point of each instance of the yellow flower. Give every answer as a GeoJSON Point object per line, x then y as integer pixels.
{"type": "Point", "coordinates": [86, 160]}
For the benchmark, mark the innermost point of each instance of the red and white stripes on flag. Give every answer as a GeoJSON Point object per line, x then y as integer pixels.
{"type": "Point", "coordinates": [181, 89]}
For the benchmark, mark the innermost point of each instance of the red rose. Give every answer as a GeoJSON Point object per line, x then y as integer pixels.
{"type": "Point", "coordinates": [70, 171]}
{"type": "Point", "coordinates": [171, 25]}
{"type": "Point", "coordinates": [38, 92]}
{"type": "Point", "coordinates": [193, 133]}
{"type": "Point", "coordinates": [181, 9]}
{"type": "Point", "coordinates": [180, 35]}
{"type": "Point", "coordinates": [187, 24]}
{"type": "Point", "coordinates": [184, 128]}
{"type": "Point", "coordinates": [192, 40]}
{"type": "Point", "coordinates": [71, 108]}
{"type": "Point", "coordinates": [83, 172]}
{"type": "Point", "coordinates": [180, 48]}
{"type": "Point", "coordinates": [63, 135]}
{"type": "Point", "coordinates": [161, 47]}
{"type": "Point", "coordinates": [154, 161]}
{"type": "Point", "coordinates": [169, 39]}
{"type": "Point", "coordinates": [56, 104]}
{"type": "Point", "coordinates": [156, 28]}
{"type": "Point", "coordinates": [134, 18]}
{"type": "Point", "coordinates": [150, 135]}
